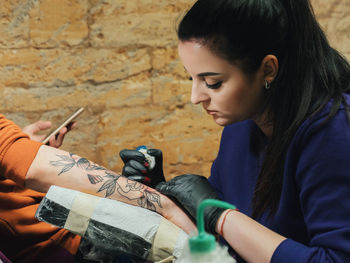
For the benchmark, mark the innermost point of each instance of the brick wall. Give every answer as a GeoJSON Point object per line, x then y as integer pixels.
{"type": "Point", "coordinates": [118, 59]}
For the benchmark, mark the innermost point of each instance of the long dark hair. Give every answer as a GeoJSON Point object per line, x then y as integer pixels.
{"type": "Point", "coordinates": [310, 71]}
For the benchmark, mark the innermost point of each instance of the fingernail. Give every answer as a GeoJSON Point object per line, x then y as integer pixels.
{"type": "Point", "coordinates": [146, 164]}
{"type": "Point", "coordinates": [147, 179]}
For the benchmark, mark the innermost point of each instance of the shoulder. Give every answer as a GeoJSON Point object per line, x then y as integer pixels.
{"type": "Point", "coordinates": [321, 125]}
{"type": "Point", "coordinates": [320, 141]}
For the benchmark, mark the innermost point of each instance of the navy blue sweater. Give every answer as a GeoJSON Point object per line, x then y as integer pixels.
{"type": "Point", "coordinates": [314, 209]}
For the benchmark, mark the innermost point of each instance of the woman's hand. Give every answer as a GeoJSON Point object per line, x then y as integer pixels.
{"type": "Point", "coordinates": [55, 141]}
{"type": "Point", "coordinates": [136, 166]}
{"type": "Point", "coordinates": [190, 190]}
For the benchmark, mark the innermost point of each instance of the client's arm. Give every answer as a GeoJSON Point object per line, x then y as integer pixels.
{"type": "Point", "coordinates": [52, 166]}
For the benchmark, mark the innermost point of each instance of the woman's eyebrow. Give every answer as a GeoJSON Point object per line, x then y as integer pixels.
{"type": "Point", "coordinates": [205, 74]}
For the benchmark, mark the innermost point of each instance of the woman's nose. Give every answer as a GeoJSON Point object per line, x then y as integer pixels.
{"type": "Point", "coordinates": [198, 95]}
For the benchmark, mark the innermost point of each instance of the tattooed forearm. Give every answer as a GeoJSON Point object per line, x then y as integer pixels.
{"type": "Point", "coordinates": [94, 179]}
{"type": "Point", "coordinates": [68, 162]}
{"type": "Point", "coordinates": [149, 199]}
{"type": "Point", "coordinates": [132, 191]}
{"type": "Point", "coordinates": [112, 183]}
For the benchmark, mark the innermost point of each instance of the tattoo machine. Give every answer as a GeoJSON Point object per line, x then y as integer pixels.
{"type": "Point", "coordinates": [150, 159]}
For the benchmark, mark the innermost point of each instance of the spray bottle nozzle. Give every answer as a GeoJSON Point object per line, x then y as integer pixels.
{"type": "Point", "coordinates": [204, 242]}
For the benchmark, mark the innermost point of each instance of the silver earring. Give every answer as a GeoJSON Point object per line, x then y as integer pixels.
{"type": "Point", "coordinates": [267, 85]}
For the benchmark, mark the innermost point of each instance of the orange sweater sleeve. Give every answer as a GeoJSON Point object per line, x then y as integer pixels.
{"type": "Point", "coordinates": [17, 151]}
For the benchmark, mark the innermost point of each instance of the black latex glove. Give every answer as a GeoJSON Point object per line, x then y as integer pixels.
{"type": "Point", "coordinates": [189, 190]}
{"type": "Point", "coordinates": [136, 166]}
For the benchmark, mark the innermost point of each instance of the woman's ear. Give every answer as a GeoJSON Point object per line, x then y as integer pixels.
{"type": "Point", "coordinates": [269, 67]}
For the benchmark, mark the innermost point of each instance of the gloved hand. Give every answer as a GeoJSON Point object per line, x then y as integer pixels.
{"type": "Point", "coordinates": [189, 190]}
{"type": "Point", "coordinates": [136, 166]}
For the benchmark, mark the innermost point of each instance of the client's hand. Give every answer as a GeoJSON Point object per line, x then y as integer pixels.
{"type": "Point", "coordinates": [176, 215]}
{"type": "Point", "coordinates": [190, 190]}
{"type": "Point", "coordinates": [137, 168]}
{"type": "Point", "coordinates": [34, 128]}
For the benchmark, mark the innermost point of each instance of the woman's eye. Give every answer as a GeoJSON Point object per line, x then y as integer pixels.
{"type": "Point", "coordinates": [214, 86]}
{"type": "Point", "coordinates": [210, 86]}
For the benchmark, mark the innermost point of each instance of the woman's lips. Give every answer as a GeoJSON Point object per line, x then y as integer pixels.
{"type": "Point", "coordinates": [211, 112]}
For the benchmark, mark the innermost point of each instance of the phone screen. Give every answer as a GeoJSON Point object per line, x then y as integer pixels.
{"type": "Point", "coordinates": [65, 123]}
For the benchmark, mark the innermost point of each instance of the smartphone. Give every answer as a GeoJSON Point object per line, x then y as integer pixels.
{"type": "Point", "coordinates": [65, 123]}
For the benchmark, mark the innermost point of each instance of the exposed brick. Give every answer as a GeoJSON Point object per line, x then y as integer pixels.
{"type": "Point", "coordinates": [58, 22]}
{"type": "Point", "coordinates": [119, 60]}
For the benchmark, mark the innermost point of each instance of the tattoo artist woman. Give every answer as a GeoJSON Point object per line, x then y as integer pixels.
{"type": "Point", "coordinates": [265, 71]}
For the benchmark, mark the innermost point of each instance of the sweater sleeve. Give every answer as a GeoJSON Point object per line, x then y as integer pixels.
{"type": "Point", "coordinates": [323, 178]}
{"type": "Point", "coordinates": [17, 151]}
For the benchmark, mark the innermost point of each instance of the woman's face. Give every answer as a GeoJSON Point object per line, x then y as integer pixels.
{"type": "Point", "coordinates": [223, 89]}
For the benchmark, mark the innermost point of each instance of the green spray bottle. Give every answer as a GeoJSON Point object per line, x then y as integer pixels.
{"type": "Point", "coordinates": [203, 247]}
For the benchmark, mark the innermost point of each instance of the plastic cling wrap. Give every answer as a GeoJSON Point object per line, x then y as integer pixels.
{"type": "Point", "coordinates": [111, 226]}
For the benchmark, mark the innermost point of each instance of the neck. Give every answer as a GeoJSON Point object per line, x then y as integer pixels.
{"type": "Point", "coordinates": [265, 124]}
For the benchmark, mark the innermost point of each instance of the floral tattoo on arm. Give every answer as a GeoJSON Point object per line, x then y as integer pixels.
{"type": "Point", "coordinates": [68, 162]}
{"type": "Point", "coordinates": [131, 190]}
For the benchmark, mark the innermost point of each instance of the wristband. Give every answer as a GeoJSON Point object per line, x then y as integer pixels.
{"type": "Point", "coordinates": [223, 221]}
